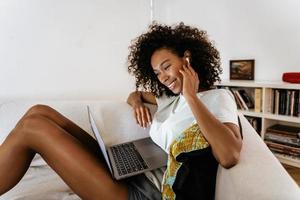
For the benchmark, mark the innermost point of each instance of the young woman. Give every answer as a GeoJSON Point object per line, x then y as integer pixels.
{"type": "Point", "coordinates": [177, 67]}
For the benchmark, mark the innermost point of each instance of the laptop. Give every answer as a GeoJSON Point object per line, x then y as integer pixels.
{"type": "Point", "coordinates": [130, 158]}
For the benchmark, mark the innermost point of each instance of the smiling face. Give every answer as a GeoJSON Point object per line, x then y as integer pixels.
{"type": "Point", "coordinates": [166, 66]}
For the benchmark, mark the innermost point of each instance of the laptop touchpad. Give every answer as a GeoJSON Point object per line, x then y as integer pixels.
{"type": "Point", "coordinates": [147, 148]}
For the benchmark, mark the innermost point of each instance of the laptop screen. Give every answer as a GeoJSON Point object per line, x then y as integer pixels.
{"type": "Point", "coordinates": [98, 138]}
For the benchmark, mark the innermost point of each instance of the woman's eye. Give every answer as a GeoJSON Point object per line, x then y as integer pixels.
{"type": "Point", "coordinates": [167, 67]}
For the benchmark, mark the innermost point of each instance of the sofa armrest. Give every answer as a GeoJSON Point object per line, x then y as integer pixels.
{"type": "Point", "coordinates": [258, 175]}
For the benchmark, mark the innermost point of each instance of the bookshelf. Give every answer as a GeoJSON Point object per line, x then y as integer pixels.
{"type": "Point", "coordinates": [265, 111]}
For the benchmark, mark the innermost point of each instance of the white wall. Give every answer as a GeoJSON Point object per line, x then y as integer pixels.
{"type": "Point", "coordinates": [77, 49]}
{"type": "Point", "coordinates": [68, 49]}
{"type": "Point", "coordinates": [265, 30]}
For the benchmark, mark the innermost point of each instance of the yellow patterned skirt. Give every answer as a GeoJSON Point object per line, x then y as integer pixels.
{"type": "Point", "coordinates": [190, 140]}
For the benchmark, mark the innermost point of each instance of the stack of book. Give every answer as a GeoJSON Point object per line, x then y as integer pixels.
{"type": "Point", "coordinates": [284, 140]}
{"type": "Point", "coordinates": [286, 102]}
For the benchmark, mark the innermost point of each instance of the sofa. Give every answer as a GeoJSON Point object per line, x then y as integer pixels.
{"type": "Point", "coordinates": [258, 175]}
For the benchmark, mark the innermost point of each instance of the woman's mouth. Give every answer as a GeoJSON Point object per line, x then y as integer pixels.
{"type": "Point", "coordinates": [172, 85]}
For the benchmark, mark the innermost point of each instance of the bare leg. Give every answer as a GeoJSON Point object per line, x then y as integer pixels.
{"type": "Point", "coordinates": [69, 126]}
{"type": "Point", "coordinates": [77, 166]}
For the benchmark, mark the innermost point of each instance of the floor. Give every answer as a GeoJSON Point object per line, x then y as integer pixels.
{"type": "Point", "coordinates": [294, 172]}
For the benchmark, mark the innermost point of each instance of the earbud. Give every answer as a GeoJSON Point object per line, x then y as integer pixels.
{"type": "Point", "coordinates": [187, 60]}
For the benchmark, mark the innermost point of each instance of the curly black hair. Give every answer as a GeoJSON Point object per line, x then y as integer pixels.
{"type": "Point", "coordinates": [178, 38]}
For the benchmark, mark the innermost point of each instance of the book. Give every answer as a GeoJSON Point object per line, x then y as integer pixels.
{"type": "Point", "coordinates": [285, 130]}
{"type": "Point", "coordinates": [277, 94]}
{"type": "Point", "coordinates": [285, 155]}
{"type": "Point", "coordinates": [291, 112]}
{"type": "Point", "coordinates": [283, 148]}
{"type": "Point", "coordinates": [237, 100]}
{"type": "Point", "coordinates": [296, 104]}
{"type": "Point", "coordinates": [283, 151]}
{"type": "Point", "coordinates": [288, 102]}
{"type": "Point", "coordinates": [282, 100]}
{"type": "Point", "coordinates": [258, 100]}
{"type": "Point", "coordinates": [294, 142]}
{"type": "Point", "coordinates": [283, 134]}
{"type": "Point", "coordinates": [244, 105]}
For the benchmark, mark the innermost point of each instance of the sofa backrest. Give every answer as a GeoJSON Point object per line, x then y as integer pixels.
{"type": "Point", "coordinates": [258, 175]}
{"type": "Point", "coordinates": [114, 118]}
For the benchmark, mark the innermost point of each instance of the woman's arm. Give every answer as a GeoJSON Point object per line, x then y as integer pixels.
{"type": "Point", "coordinates": [224, 138]}
{"type": "Point", "coordinates": [141, 112]}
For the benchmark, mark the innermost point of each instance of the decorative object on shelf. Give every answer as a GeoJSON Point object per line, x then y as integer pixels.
{"type": "Point", "coordinates": [242, 69]}
{"type": "Point", "coordinates": [291, 77]}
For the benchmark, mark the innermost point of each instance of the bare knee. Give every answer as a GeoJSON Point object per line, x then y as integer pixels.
{"type": "Point", "coordinates": [30, 124]}
{"type": "Point", "coordinates": [32, 130]}
{"type": "Point", "coordinates": [39, 109]}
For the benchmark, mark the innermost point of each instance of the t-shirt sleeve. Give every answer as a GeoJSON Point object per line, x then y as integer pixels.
{"type": "Point", "coordinates": [224, 107]}
{"type": "Point", "coordinates": [164, 100]}
{"type": "Point", "coordinates": [161, 101]}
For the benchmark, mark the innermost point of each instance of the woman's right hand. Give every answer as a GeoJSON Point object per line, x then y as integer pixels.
{"type": "Point", "coordinates": [141, 112]}
{"type": "Point", "coordinates": [142, 115]}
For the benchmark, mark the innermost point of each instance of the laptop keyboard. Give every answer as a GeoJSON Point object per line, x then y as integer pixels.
{"type": "Point", "coordinates": [128, 159]}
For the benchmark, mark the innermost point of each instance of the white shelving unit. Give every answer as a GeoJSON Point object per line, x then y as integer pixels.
{"type": "Point", "coordinates": [267, 117]}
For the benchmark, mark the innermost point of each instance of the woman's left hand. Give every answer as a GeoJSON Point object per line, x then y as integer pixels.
{"type": "Point", "coordinates": [190, 81]}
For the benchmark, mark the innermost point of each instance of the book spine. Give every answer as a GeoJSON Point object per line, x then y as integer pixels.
{"type": "Point", "coordinates": [283, 152]}
{"type": "Point", "coordinates": [239, 104]}
{"type": "Point", "coordinates": [284, 147]}
{"type": "Point", "coordinates": [296, 103]}
{"type": "Point", "coordinates": [282, 102]}
{"type": "Point", "coordinates": [241, 100]}
{"type": "Point", "coordinates": [299, 103]}
{"type": "Point", "coordinates": [258, 99]}
{"type": "Point", "coordinates": [282, 132]}
{"type": "Point", "coordinates": [292, 103]}
{"type": "Point", "coordinates": [271, 102]}
{"type": "Point", "coordinates": [277, 96]}
{"type": "Point", "coordinates": [288, 102]}
{"type": "Point", "coordinates": [294, 142]}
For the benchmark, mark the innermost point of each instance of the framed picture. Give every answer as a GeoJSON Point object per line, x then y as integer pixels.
{"type": "Point", "coordinates": [241, 69]}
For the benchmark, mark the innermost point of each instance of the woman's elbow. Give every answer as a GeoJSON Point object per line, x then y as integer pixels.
{"type": "Point", "coordinates": [230, 161]}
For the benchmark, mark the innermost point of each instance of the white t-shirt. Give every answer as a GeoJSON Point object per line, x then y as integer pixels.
{"type": "Point", "coordinates": [173, 115]}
